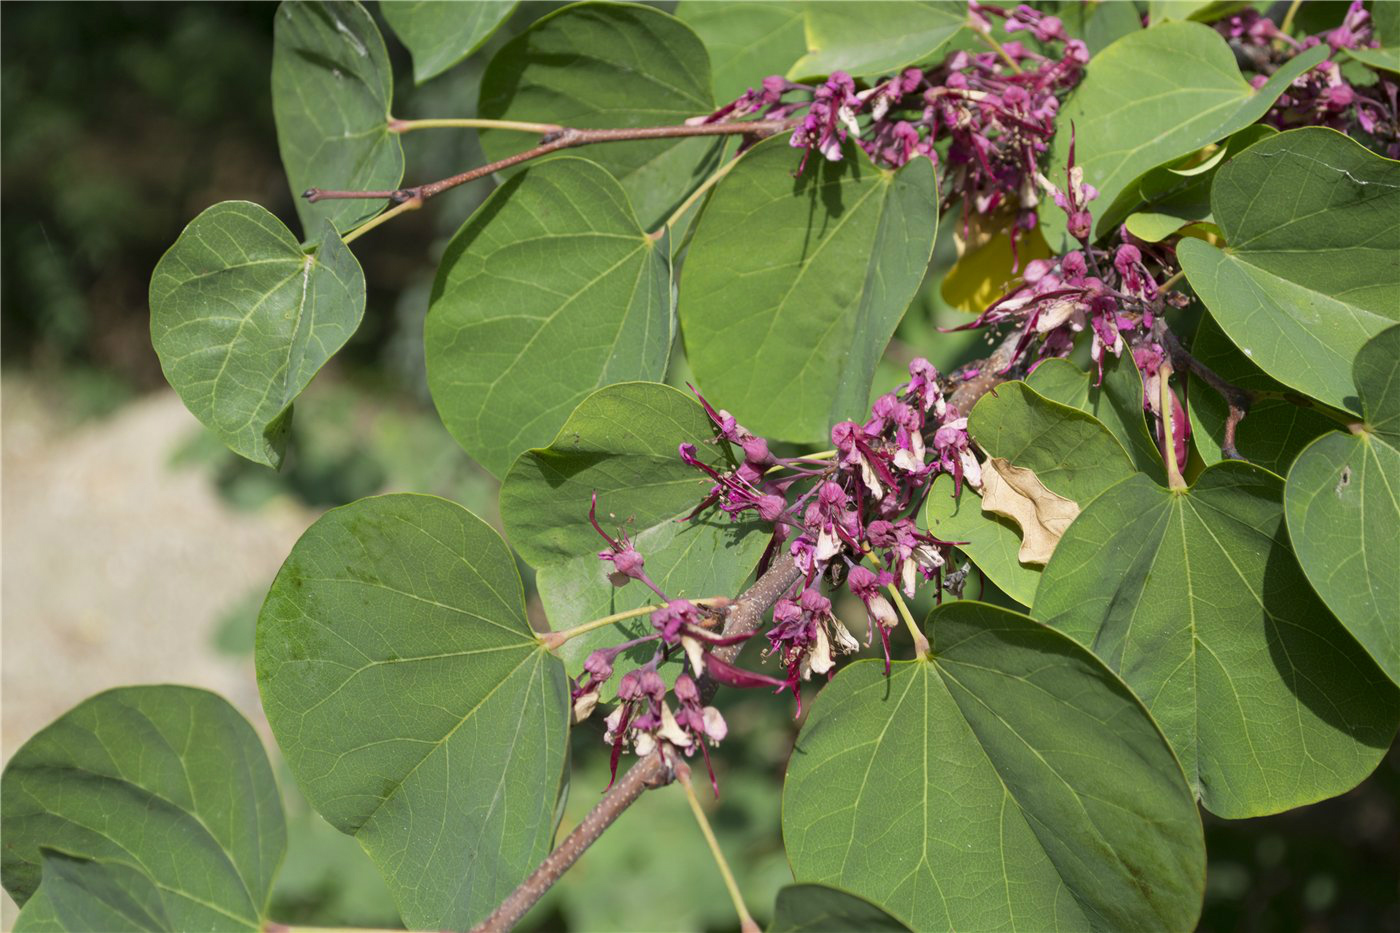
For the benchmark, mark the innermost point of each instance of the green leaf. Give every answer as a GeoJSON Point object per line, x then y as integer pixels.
{"type": "Point", "coordinates": [1380, 59]}
{"type": "Point", "coordinates": [806, 280]}
{"type": "Point", "coordinates": [1180, 75]}
{"type": "Point", "coordinates": [1009, 781]}
{"type": "Point", "coordinates": [1106, 23]}
{"type": "Point", "coordinates": [166, 796]}
{"type": "Point", "coordinates": [876, 38]}
{"type": "Point", "coordinates": [748, 40]}
{"type": "Point", "coordinates": [332, 88]}
{"type": "Point", "coordinates": [1379, 385]}
{"type": "Point", "coordinates": [1071, 452]}
{"type": "Point", "coordinates": [1116, 403]}
{"type": "Point", "coordinates": [1312, 220]}
{"type": "Point", "coordinates": [242, 320]}
{"type": "Point", "coordinates": [1167, 198]}
{"type": "Point", "coordinates": [1195, 598]}
{"type": "Point", "coordinates": [1275, 430]}
{"type": "Point", "coordinates": [79, 895]}
{"type": "Point", "coordinates": [621, 442]}
{"type": "Point", "coordinates": [609, 66]}
{"type": "Point", "coordinates": [414, 705]}
{"type": "Point", "coordinates": [1203, 11]}
{"type": "Point", "coordinates": [549, 291]}
{"type": "Point", "coordinates": [820, 908]}
{"type": "Point", "coordinates": [1343, 507]}
{"type": "Point", "coordinates": [440, 33]}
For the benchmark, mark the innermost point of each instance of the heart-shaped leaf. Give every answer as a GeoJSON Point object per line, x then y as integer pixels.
{"type": "Point", "coordinates": [875, 38]}
{"type": "Point", "coordinates": [440, 33]}
{"type": "Point", "coordinates": [415, 707]}
{"type": "Point", "coordinates": [1343, 506]}
{"type": "Point", "coordinates": [156, 804]}
{"type": "Point", "coordinates": [549, 290]}
{"type": "Point", "coordinates": [609, 66]}
{"type": "Point", "coordinates": [242, 320]}
{"type": "Point", "coordinates": [1008, 781]}
{"type": "Point", "coordinates": [1273, 433]}
{"type": "Point", "coordinates": [621, 443]}
{"type": "Point", "coordinates": [332, 88]}
{"type": "Point", "coordinates": [1312, 220]}
{"type": "Point", "coordinates": [806, 280]}
{"type": "Point", "coordinates": [1194, 597]}
{"type": "Point", "coordinates": [1068, 450]}
{"type": "Point", "coordinates": [747, 39]}
{"type": "Point", "coordinates": [820, 908]}
{"type": "Point", "coordinates": [1180, 75]}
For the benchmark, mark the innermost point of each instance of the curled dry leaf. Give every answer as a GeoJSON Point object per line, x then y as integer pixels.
{"type": "Point", "coordinates": [1018, 494]}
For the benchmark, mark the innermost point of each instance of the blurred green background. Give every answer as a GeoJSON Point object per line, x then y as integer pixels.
{"type": "Point", "coordinates": [124, 120]}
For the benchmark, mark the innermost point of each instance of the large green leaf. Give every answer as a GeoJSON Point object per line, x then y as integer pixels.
{"type": "Point", "coordinates": [332, 88]}
{"type": "Point", "coordinates": [1070, 451]}
{"type": "Point", "coordinates": [242, 320]}
{"type": "Point", "coordinates": [1312, 269]}
{"type": "Point", "coordinates": [1160, 202]}
{"type": "Point", "coordinates": [1116, 402]}
{"type": "Point", "coordinates": [1009, 781]}
{"type": "Point", "coordinates": [1273, 433]}
{"type": "Point", "coordinates": [1180, 75]}
{"type": "Point", "coordinates": [81, 895]}
{"type": "Point", "coordinates": [875, 38]}
{"type": "Point", "coordinates": [820, 908]}
{"type": "Point", "coordinates": [609, 65]}
{"type": "Point", "coordinates": [1196, 600]}
{"type": "Point", "coordinates": [748, 40]}
{"type": "Point", "coordinates": [163, 806]}
{"type": "Point", "coordinates": [413, 703]}
{"type": "Point", "coordinates": [550, 290]}
{"type": "Point", "coordinates": [621, 443]}
{"type": "Point", "coordinates": [805, 281]}
{"type": "Point", "coordinates": [1343, 506]}
{"type": "Point", "coordinates": [440, 33]}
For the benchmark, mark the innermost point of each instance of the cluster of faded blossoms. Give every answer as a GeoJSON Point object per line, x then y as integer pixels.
{"type": "Point", "coordinates": [846, 517]}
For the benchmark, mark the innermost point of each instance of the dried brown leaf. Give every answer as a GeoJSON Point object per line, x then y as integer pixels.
{"type": "Point", "coordinates": [1018, 494]}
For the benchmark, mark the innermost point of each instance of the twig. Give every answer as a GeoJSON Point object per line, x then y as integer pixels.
{"type": "Point", "coordinates": [650, 772]}
{"type": "Point", "coordinates": [991, 373]}
{"type": "Point", "coordinates": [1238, 400]}
{"type": "Point", "coordinates": [472, 123]}
{"type": "Point", "coordinates": [746, 924]}
{"type": "Point", "coordinates": [566, 138]}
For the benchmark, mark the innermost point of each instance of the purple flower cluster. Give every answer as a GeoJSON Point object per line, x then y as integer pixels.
{"type": "Point", "coordinates": [845, 517]}
{"type": "Point", "coordinates": [1321, 96]}
{"type": "Point", "coordinates": [995, 109]}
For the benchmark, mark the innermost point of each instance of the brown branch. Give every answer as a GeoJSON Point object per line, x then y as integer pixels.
{"type": "Point", "coordinates": [1238, 399]}
{"type": "Point", "coordinates": [564, 138]}
{"type": "Point", "coordinates": [992, 372]}
{"type": "Point", "coordinates": [744, 617]}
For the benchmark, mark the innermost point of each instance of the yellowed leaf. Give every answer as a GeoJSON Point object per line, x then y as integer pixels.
{"type": "Point", "coordinates": [1018, 494]}
{"type": "Point", "coordinates": [983, 270]}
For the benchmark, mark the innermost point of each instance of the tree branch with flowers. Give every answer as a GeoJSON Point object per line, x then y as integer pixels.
{"type": "Point", "coordinates": [1166, 472]}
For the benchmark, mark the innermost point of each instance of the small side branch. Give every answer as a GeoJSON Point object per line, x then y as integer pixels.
{"type": "Point", "coordinates": [554, 141]}
{"type": "Point", "coordinates": [647, 773]}
{"type": "Point", "coordinates": [1238, 400]}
